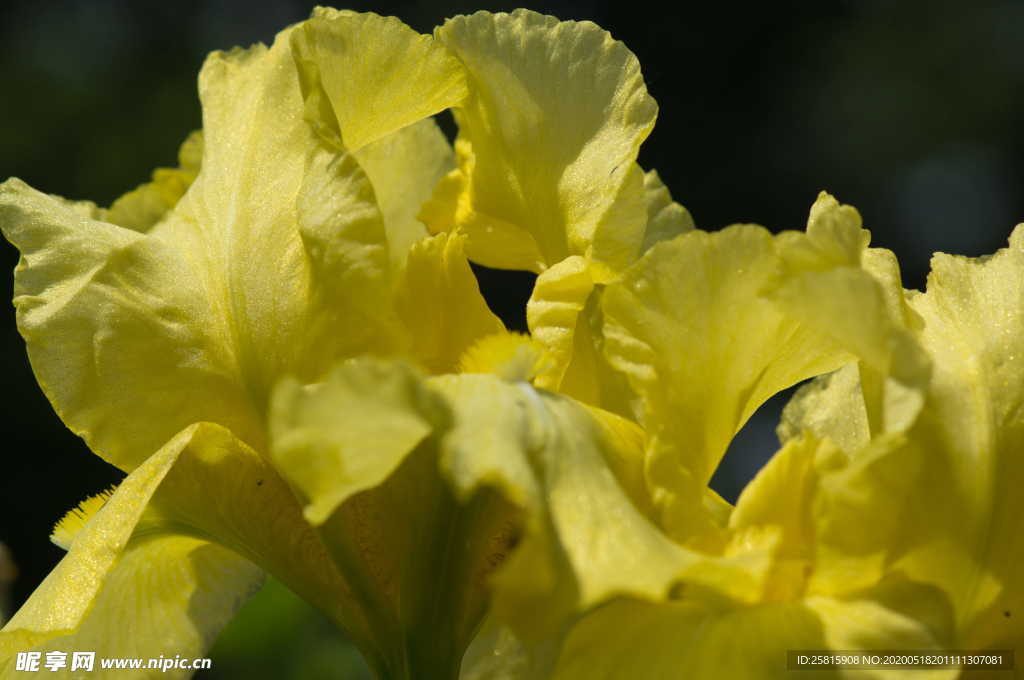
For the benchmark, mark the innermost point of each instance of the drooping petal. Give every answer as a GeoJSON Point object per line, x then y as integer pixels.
{"type": "Point", "coordinates": [118, 333]}
{"type": "Point", "coordinates": [121, 592]}
{"type": "Point", "coordinates": [274, 262]}
{"type": "Point", "coordinates": [739, 613]}
{"type": "Point", "coordinates": [255, 513]}
{"type": "Point", "coordinates": [163, 526]}
{"type": "Point", "coordinates": [166, 596]}
{"type": "Point", "coordinates": [552, 125]}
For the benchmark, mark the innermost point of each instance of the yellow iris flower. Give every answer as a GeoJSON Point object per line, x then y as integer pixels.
{"type": "Point", "coordinates": [175, 331]}
{"type": "Point", "coordinates": [889, 518]}
{"type": "Point", "coordinates": [282, 344]}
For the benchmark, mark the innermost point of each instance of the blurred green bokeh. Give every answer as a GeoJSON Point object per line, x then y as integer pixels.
{"type": "Point", "coordinates": [277, 635]}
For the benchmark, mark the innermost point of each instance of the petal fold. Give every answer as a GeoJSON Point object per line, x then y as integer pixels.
{"type": "Point", "coordinates": [365, 76]}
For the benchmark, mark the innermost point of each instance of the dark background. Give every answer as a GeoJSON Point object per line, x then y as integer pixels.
{"type": "Point", "coordinates": [911, 111]}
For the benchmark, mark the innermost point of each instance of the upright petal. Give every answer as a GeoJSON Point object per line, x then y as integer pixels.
{"type": "Point", "coordinates": [564, 315]}
{"type": "Point", "coordinates": [369, 85]}
{"type": "Point", "coordinates": [554, 315]}
{"type": "Point", "coordinates": [553, 123]}
{"type": "Point", "coordinates": [852, 296]}
{"type": "Point", "coordinates": [831, 406]}
{"type": "Point", "coordinates": [365, 76]}
{"type": "Point", "coordinates": [288, 230]}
